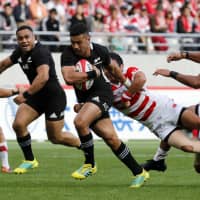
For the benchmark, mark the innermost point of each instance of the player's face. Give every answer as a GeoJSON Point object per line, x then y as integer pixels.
{"type": "Point", "coordinates": [81, 45]}
{"type": "Point", "coordinates": [26, 40]}
{"type": "Point", "coordinates": [111, 78]}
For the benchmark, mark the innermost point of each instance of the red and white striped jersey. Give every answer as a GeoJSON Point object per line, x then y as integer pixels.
{"type": "Point", "coordinates": [142, 104]}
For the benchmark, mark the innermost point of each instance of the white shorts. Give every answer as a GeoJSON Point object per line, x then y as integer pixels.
{"type": "Point", "coordinates": [164, 118]}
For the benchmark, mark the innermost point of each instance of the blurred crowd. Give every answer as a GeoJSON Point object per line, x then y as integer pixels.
{"type": "Point", "coordinates": [116, 16]}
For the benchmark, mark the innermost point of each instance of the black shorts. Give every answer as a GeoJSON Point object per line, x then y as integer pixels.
{"type": "Point", "coordinates": [51, 104]}
{"type": "Point", "coordinates": [103, 102]}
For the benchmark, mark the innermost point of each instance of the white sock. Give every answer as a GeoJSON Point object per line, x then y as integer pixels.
{"type": "Point", "coordinates": [160, 154]}
{"type": "Point", "coordinates": [4, 155]}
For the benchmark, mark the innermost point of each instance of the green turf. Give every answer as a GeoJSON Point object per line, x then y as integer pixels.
{"type": "Point", "coordinates": [52, 180]}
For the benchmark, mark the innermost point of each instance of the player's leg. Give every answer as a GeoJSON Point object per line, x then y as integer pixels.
{"type": "Point", "coordinates": [88, 113]}
{"type": "Point", "coordinates": [57, 136]}
{"type": "Point", "coordinates": [24, 116]}
{"type": "Point", "coordinates": [196, 135]}
{"type": "Point", "coordinates": [158, 161]}
{"type": "Point", "coordinates": [5, 167]}
{"type": "Point", "coordinates": [104, 128]}
{"type": "Point", "coordinates": [179, 140]}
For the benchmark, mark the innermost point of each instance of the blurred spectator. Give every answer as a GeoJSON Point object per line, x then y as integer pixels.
{"type": "Point", "coordinates": [141, 24]}
{"type": "Point", "coordinates": [98, 22]}
{"type": "Point", "coordinates": [22, 13]}
{"type": "Point", "coordinates": [50, 23]}
{"type": "Point", "coordinates": [113, 25]}
{"type": "Point", "coordinates": [185, 24]}
{"type": "Point", "coordinates": [78, 17]}
{"type": "Point", "coordinates": [103, 5]}
{"type": "Point", "coordinates": [170, 21]}
{"type": "Point", "coordinates": [197, 27]}
{"type": "Point", "coordinates": [99, 26]}
{"type": "Point", "coordinates": [158, 25]}
{"type": "Point", "coordinates": [112, 21]}
{"type": "Point", "coordinates": [7, 23]}
{"type": "Point", "coordinates": [38, 12]}
{"type": "Point", "coordinates": [62, 15]}
{"type": "Point", "coordinates": [88, 10]}
{"type": "Point", "coordinates": [144, 3]}
{"type": "Point", "coordinates": [124, 16]}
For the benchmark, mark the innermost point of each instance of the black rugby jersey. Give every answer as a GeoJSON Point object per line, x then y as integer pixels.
{"type": "Point", "coordinates": [100, 58]}
{"type": "Point", "coordinates": [31, 60]}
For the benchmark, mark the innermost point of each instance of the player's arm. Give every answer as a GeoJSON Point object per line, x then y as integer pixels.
{"type": "Point", "coordinates": [40, 80]}
{"type": "Point", "coordinates": [37, 84]}
{"type": "Point", "coordinates": [193, 56]}
{"type": "Point", "coordinates": [137, 83]}
{"type": "Point", "coordinates": [189, 80]}
{"type": "Point", "coordinates": [71, 76]}
{"type": "Point", "coordinates": [5, 63]}
{"type": "Point", "coordinates": [8, 92]}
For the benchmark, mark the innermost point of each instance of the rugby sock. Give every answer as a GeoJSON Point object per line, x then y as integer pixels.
{"type": "Point", "coordinates": [4, 155]}
{"type": "Point", "coordinates": [88, 147]}
{"type": "Point", "coordinates": [124, 154]}
{"type": "Point", "coordinates": [25, 144]}
{"type": "Point", "coordinates": [160, 154]}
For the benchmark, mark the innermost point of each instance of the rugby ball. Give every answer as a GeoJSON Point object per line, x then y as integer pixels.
{"type": "Point", "coordinates": [84, 66]}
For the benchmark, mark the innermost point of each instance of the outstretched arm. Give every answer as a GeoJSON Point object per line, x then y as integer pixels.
{"type": "Point", "coordinates": [189, 80]}
{"type": "Point", "coordinates": [8, 92]}
{"type": "Point", "coordinates": [193, 56]}
{"type": "Point", "coordinates": [5, 63]}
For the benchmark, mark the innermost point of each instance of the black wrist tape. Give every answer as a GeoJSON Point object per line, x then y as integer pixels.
{"type": "Point", "coordinates": [91, 74]}
{"type": "Point", "coordinates": [173, 74]}
{"type": "Point", "coordinates": [26, 95]}
{"type": "Point", "coordinates": [15, 92]}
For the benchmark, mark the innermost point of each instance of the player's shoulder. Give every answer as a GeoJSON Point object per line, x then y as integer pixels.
{"type": "Point", "coordinates": [67, 50]}
{"type": "Point", "coordinates": [99, 47]}
{"type": "Point", "coordinates": [40, 49]}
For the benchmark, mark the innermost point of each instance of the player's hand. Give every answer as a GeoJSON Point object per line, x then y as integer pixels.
{"type": "Point", "coordinates": [174, 57]}
{"type": "Point", "coordinates": [77, 107]}
{"type": "Point", "coordinates": [126, 98]}
{"type": "Point", "coordinates": [162, 72]}
{"type": "Point", "coordinates": [96, 70]}
{"type": "Point", "coordinates": [19, 99]}
{"type": "Point", "coordinates": [22, 89]}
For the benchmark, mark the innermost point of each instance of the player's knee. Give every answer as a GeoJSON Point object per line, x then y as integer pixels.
{"type": "Point", "coordinates": [187, 148]}
{"type": "Point", "coordinates": [54, 140]}
{"type": "Point", "coordinates": [80, 123]}
{"type": "Point", "coordinates": [17, 126]}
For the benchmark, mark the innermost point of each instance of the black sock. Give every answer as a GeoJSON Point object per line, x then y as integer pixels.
{"type": "Point", "coordinates": [197, 109]}
{"type": "Point", "coordinates": [125, 156]}
{"type": "Point", "coordinates": [88, 147]}
{"type": "Point", "coordinates": [25, 144]}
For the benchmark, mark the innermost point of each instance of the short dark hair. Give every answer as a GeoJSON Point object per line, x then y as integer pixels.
{"type": "Point", "coordinates": [117, 58]}
{"type": "Point", "coordinates": [78, 29]}
{"type": "Point", "coordinates": [24, 27]}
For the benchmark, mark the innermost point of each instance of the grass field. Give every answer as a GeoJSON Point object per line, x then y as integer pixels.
{"type": "Point", "coordinates": [52, 180]}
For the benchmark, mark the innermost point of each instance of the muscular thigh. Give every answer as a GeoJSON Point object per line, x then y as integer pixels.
{"type": "Point", "coordinates": [178, 139]}
{"type": "Point", "coordinates": [54, 127]}
{"type": "Point", "coordinates": [88, 113]}
{"type": "Point", "coordinates": [25, 114]}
